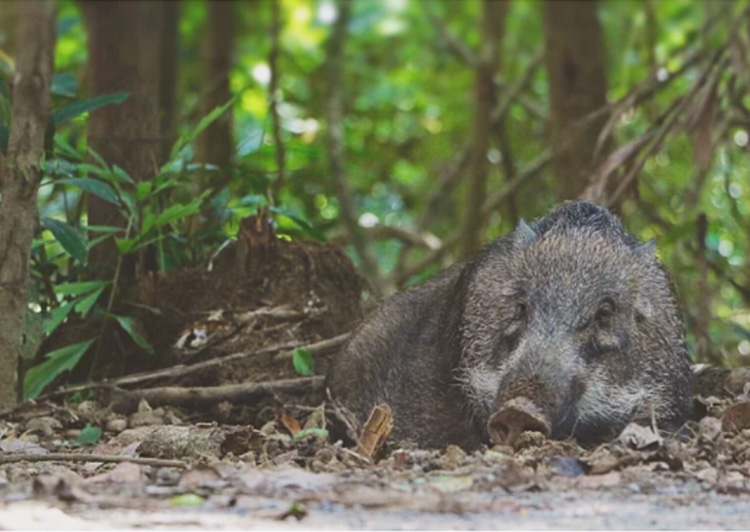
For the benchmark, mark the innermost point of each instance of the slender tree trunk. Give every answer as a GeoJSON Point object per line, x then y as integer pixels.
{"type": "Point", "coordinates": [20, 174]}
{"type": "Point", "coordinates": [275, 96]}
{"type": "Point", "coordinates": [493, 22]}
{"type": "Point", "coordinates": [335, 144]}
{"type": "Point", "coordinates": [170, 52]}
{"type": "Point", "coordinates": [215, 145]}
{"type": "Point", "coordinates": [574, 54]}
{"type": "Point", "coordinates": [123, 56]}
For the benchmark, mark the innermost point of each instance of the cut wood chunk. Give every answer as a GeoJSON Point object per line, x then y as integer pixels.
{"type": "Point", "coordinates": [376, 430]}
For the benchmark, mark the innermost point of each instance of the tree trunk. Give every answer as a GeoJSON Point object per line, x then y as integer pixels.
{"type": "Point", "coordinates": [123, 56]}
{"type": "Point", "coordinates": [574, 54]}
{"type": "Point", "coordinates": [335, 145]}
{"type": "Point", "coordinates": [493, 22]}
{"type": "Point", "coordinates": [20, 174]}
{"type": "Point", "coordinates": [170, 52]}
{"type": "Point", "coordinates": [215, 145]}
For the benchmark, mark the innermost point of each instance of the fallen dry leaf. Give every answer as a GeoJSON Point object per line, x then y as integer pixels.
{"type": "Point", "coordinates": [290, 423]}
{"type": "Point", "coordinates": [736, 417]}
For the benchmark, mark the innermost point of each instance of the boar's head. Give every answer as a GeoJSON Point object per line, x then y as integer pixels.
{"type": "Point", "coordinates": [569, 327]}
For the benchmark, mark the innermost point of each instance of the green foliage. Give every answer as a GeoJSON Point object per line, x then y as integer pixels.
{"type": "Point", "coordinates": [58, 361]}
{"type": "Point", "coordinates": [303, 362]}
{"type": "Point", "coordinates": [321, 434]}
{"type": "Point", "coordinates": [90, 435]}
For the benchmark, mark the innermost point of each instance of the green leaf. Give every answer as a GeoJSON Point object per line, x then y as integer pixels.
{"type": "Point", "coordinates": [123, 175]}
{"type": "Point", "coordinates": [109, 229]}
{"type": "Point", "coordinates": [73, 110]}
{"type": "Point", "coordinates": [321, 434]}
{"type": "Point", "coordinates": [90, 435]}
{"type": "Point", "coordinates": [187, 500]}
{"type": "Point", "coordinates": [57, 316]}
{"type": "Point", "coordinates": [206, 121]}
{"type": "Point", "coordinates": [85, 304]}
{"type": "Point", "coordinates": [58, 361]}
{"type": "Point", "coordinates": [64, 85]}
{"type": "Point", "coordinates": [4, 138]}
{"type": "Point", "coordinates": [300, 221]}
{"type": "Point", "coordinates": [124, 245]}
{"type": "Point", "coordinates": [76, 289]}
{"type": "Point", "coordinates": [303, 361]}
{"type": "Point", "coordinates": [143, 189]}
{"type": "Point", "coordinates": [128, 324]}
{"type": "Point", "coordinates": [69, 238]}
{"type": "Point", "coordinates": [94, 186]}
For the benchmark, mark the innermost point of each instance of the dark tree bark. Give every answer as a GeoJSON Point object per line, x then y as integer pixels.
{"type": "Point", "coordinates": [20, 174]}
{"type": "Point", "coordinates": [170, 48]}
{"type": "Point", "coordinates": [574, 54]}
{"type": "Point", "coordinates": [493, 23]}
{"type": "Point", "coordinates": [335, 145]}
{"type": "Point", "coordinates": [215, 145]}
{"type": "Point", "coordinates": [123, 56]}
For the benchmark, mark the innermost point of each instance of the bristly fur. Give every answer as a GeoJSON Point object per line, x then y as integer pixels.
{"type": "Point", "coordinates": [520, 318]}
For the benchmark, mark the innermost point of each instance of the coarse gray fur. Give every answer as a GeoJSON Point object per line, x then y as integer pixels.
{"type": "Point", "coordinates": [570, 311]}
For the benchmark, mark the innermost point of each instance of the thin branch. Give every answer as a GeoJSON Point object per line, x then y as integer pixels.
{"type": "Point", "coordinates": [384, 232]}
{"type": "Point", "coordinates": [458, 48]}
{"type": "Point", "coordinates": [81, 457]}
{"type": "Point", "coordinates": [245, 393]}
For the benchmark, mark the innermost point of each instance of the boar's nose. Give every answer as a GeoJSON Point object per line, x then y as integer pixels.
{"type": "Point", "coordinates": [514, 417]}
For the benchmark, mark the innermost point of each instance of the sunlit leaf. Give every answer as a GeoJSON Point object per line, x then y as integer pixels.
{"type": "Point", "coordinates": [69, 238]}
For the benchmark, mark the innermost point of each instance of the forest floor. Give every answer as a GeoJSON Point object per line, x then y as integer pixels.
{"type": "Point", "coordinates": [144, 451]}
{"type": "Point", "coordinates": [231, 477]}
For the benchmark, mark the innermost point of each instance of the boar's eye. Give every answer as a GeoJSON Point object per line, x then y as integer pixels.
{"type": "Point", "coordinates": [605, 313]}
{"type": "Point", "coordinates": [519, 312]}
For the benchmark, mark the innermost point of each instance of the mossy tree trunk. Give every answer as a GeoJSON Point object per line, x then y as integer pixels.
{"type": "Point", "coordinates": [20, 174]}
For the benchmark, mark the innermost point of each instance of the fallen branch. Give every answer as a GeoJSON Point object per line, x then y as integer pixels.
{"type": "Point", "coordinates": [81, 457]}
{"type": "Point", "coordinates": [181, 370]}
{"type": "Point", "coordinates": [234, 393]}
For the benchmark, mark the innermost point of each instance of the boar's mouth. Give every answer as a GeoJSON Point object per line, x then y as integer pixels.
{"type": "Point", "coordinates": [517, 415]}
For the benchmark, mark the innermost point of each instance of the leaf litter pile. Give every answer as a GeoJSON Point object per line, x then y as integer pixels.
{"type": "Point", "coordinates": [233, 429]}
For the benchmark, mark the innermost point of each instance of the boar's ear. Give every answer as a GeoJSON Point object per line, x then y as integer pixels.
{"type": "Point", "coordinates": [646, 250]}
{"type": "Point", "coordinates": [524, 235]}
{"type": "Point", "coordinates": [643, 304]}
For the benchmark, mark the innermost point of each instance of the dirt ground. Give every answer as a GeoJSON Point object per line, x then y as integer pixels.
{"type": "Point", "coordinates": [229, 477]}
{"type": "Point", "coordinates": [201, 437]}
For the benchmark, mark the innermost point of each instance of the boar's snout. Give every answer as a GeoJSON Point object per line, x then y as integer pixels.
{"type": "Point", "coordinates": [514, 417]}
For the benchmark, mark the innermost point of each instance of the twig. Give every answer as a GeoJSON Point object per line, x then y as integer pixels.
{"type": "Point", "coordinates": [490, 205]}
{"type": "Point", "coordinates": [383, 232]}
{"type": "Point", "coordinates": [458, 48]}
{"type": "Point", "coordinates": [81, 457]}
{"type": "Point", "coordinates": [237, 393]}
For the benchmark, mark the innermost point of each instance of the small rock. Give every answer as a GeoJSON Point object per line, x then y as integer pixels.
{"type": "Point", "coordinates": [454, 457]}
{"type": "Point", "coordinates": [116, 425]}
{"type": "Point", "coordinates": [709, 428]}
{"type": "Point", "coordinates": [45, 425]}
